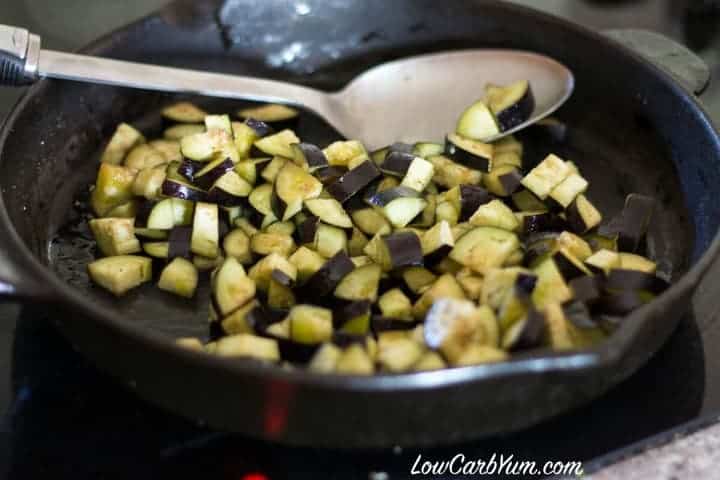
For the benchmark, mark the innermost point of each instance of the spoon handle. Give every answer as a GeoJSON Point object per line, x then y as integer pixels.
{"type": "Point", "coordinates": [22, 62]}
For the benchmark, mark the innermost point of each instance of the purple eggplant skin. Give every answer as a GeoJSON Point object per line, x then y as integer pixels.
{"type": "Point", "coordinates": [524, 285]}
{"type": "Point", "coordinates": [538, 245]}
{"type": "Point", "coordinates": [575, 220]}
{"type": "Point", "coordinates": [295, 352]}
{"type": "Point", "coordinates": [277, 205]}
{"type": "Point", "coordinates": [353, 181]}
{"type": "Point", "coordinates": [261, 317]}
{"type": "Point", "coordinates": [143, 213]}
{"type": "Point", "coordinates": [171, 188]}
{"type": "Point", "coordinates": [314, 157]}
{"type": "Point", "coordinates": [179, 242]}
{"type": "Point", "coordinates": [532, 332]}
{"type": "Point", "coordinates": [466, 158]}
{"type": "Point", "coordinates": [619, 303]}
{"type": "Point", "coordinates": [404, 249]}
{"type": "Point", "coordinates": [344, 339]}
{"type": "Point", "coordinates": [324, 281]}
{"type": "Point", "coordinates": [225, 199]}
{"type": "Point", "coordinates": [381, 199]}
{"type": "Point", "coordinates": [632, 223]}
{"type": "Point", "coordinates": [517, 113]}
{"type": "Point", "coordinates": [567, 268]}
{"type": "Point", "coordinates": [379, 324]}
{"type": "Point", "coordinates": [511, 182]}
{"type": "Point", "coordinates": [223, 227]}
{"type": "Point", "coordinates": [350, 311]}
{"type": "Point", "coordinates": [433, 258]}
{"type": "Point", "coordinates": [623, 279]}
{"type": "Point", "coordinates": [188, 168]}
{"type": "Point", "coordinates": [579, 314]}
{"type": "Point", "coordinates": [261, 129]}
{"type": "Point", "coordinates": [282, 278]}
{"type": "Point", "coordinates": [472, 197]}
{"type": "Point", "coordinates": [328, 175]}
{"type": "Point", "coordinates": [587, 288]}
{"type": "Point", "coordinates": [543, 222]}
{"type": "Point", "coordinates": [213, 175]}
{"type": "Point", "coordinates": [397, 163]}
{"type": "Point", "coordinates": [306, 230]}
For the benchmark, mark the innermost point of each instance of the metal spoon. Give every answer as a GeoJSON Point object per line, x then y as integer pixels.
{"type": "Point", "coordinates": [412, 99]}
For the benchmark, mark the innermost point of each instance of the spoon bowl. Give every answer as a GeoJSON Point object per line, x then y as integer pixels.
{"type": "Point", "coordinates": [413, 99]}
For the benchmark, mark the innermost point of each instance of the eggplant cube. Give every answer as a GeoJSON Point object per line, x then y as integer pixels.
{"type": "Point", "coordinates": [310, 325]}
{"type": "Point", "coordinates": [121, 273]}
{"type": "Point", "coordinates": [419, 175]}
{"type": "Point", "coordinates": [115, 236]}
{"type": "Point", "coordinates": [546, 176]}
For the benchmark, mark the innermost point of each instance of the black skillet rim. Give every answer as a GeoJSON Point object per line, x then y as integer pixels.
{"type": "Point", "coordinates": [542, 362]}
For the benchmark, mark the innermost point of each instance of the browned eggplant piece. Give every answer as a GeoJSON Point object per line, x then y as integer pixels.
{"type": "Point", "coordinates": [404, 250]}
{"type": "Point", "coordinates": [328, 175]}
{"type": "Point", "coordinates": [400, 205]}
{"type": "Point", "coordinates": [383, 198]}
{"type": "Point", "coordinates": [538, 245]}
{"type": "Point", "coordinates": [587, 289]}
{"type": "Point", "coordinates": [472, 197]}
{"type": "Point", "coordinates": [632, 223]}
{"type": "Point", "coordinates": [179, 242]}
{"type": "Point", "coordinates": [261, 317]}
{"type": "Point", "coordinates": [397, 163]}
{"type": "Point", "coordinates": [353, 318]}
{"type": "Point", "coordinates": [171, 188]}
{"type": "Point", "coordinates": [225, 199]}
{"type": "Point", "coordinates": [526, 333]}
{"type": "Point", "coordinates": [511, 182]}
{"type": "Point", "coordinates": [379, 324]}
{"type": "Point", "coordinates": [582, 215]}
{"type": "Point", "coordinates": [323, 282]}
{"type": "Point", "coordinates": [309, 155]}
{"type": "Point", "coordinates": [437, 243]}
{"type": "Point", "coordinates": [568, 265]}
{"type": "Point", "coordinates": [353, 181]}
{"type": "Point", "coordinates": [211, 172]}
{"type": "Point", "coordinates": [470, 153]}
{"type": "Point", "coordinates": [512, 104]}
{"type": "Point", "coordinates": [622, 279]}
{"type": "Point", "coordinates": [307, 229]}
{"type": "Point", "coordinates": [282, 278]}
{"type": "Point", "coordinates": [188, 168]}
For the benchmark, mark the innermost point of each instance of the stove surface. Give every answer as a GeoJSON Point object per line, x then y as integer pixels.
{"type": "Point", "coordinates": [64, 418]}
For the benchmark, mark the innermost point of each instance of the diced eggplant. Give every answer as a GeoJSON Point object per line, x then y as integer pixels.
{"type": "Point", "coordinates": [173, 188]}
{"type": "Point", "coordinates": [360, 284]}
{"type": "Point", "coordinates": [309, 156]}
{"type": "Point", "coordinates": [466, 199]}
{"type": "Point", "coordinates": [330, 240]}
{"type": "Point", "coordinates": [293, 186]}
{"type": "Point", "coordinates": [247, 345]}
{"type": "Point", "coordinates": [470, 153]}
{"type": "Point", "coordinates": [418, 278]}
{"type": "Point", "coordinates": [371, 222]}
{"type": "Point", "coordinates": [400, 205]}
{"type": "Point", "coordinates": [631, 261]}
{"type": "Point", "coordinates": [230, 190]}
{"type": "Point", "coordinates": [203, 146]}
{"type": "Point", "coordinates": [569, 265]}
{"type": "Point", "coordinates": [403, 250]}
{"type": "Point", "coordinates": [451, 174]}
{"type": "Point", "coordinates": [148, 183]}
{"type": "Point", "coordinates": [232, 287]}
{"type": "Point", "coordinates": [568, 190]}
{"type": "Point", "coordinates": [325, 359]}
{"type": "Point", "coordinates": [179, 243]}
{"type": "Point", "coordinates": [495, 214]}
{"type": "Point", "coordinates": [310, 324]}
{"type": "Point", "coordinates": [184, 112]}
{"type": "Point", "coordinates": [281, 228]}
{"type": "Point", "coordinates": [266, 243]}
{"type": "Point", "coordinates": [582, 215]}
{"type": "Point", "coordinates": [329, 175]}
{"type": "Point", "coordinates": [481, 354]}
{"type": "Point", "coordinates": [325, 281]}
{"type": "Point", "coordinates": [144, 156]}
{"type": "Point", "coordinates": [177, 132]}
{"type": "Point", "coordinates": [477, 122]}
{"type": "Point", "coordinates": [621, 302]}
{"type": "Point", "coordinates": [307, 263]}
{"type": "Point", "coordinates": [278, 144]}
{"type": "Point", "coordinates": [397, 163]}
{"type": "Point", "coordinates": [429, 361]}
{"type": "Point", "coordinates": [237, 322]}
{"type": "Point", "coordinates": [205, 264]}
{"type": "Point", "coordinates": [205, 233]}
{"type": "Point", "coordinates": [395, 304]}
{"type": "Point", "coordinates": [125, 138]}
{"type": "Point", "coordinates": [179, 277]}
{"type": "Point", "coordinates": [113, 187]}
{"type": "Point", "coordinates": [537, 222]}
{"type": "Point", "coordinates": [355, 360]}
{"type": "Point", "coordinates": [471, 283]}
{"type": "Point", "coordinates": [169, 213]}
{"type": "Point", "coordinates": [526, 201]}
{"type": "Point", "coordinates": [428, 149]}
{"type": "Point", "coordinates": [260, 128]}
{"type": "Point", "coordinates": [526, 333]}
{"type": "Point", "coordinates": [398, 355]}
{"type": "Point", "coordinates": [272, 113]}
{"type": "Point", "coordinates": [169, 148]}
{"type": "Point", "coordinates": [261, 198]}
{"type": "Point", "coordinates": [121, 273]}
{"type": "Point", "coordinates": [575, 245]}
{"type": "Point", "coordinates": [211, 172]}
{"type": "Point", "coordinates": [156, 249]}
{"type": "Point", "coordinates": [380, 324]}
{"type": "Point", "coordinates": [512, 104]}
{"type": "Point", "coordinates": [445, 211]}
{"type": "Point", "coordinates": [546, 176]}
{"type": "Point", "coordinates": [621, 279]}
{"type": "Point", "coordinates": [342, 152]}
{"type": "Point", "coordinates": [446, 286]}
{"type": "Point", "coordinates": [587, 289]}
{"type": "Point", "coordinates": [329, 211]}
{"type": "Point", "coordinates": [353, 181]}
{"type": "Point", "coordinates": [357, 243]}
{"type": "Point", "coordinates": [151, 234]}
{"type": "Point", "coordinates": [603, 261]}
{"type": "Point", "coordinates": [551, 286]}
{"type": "Point", "coordinates": [419, 175]}
{"type": "Point", "coordinates": [484, 247]}
{"type": "Point", "coordinates": [115, 236]}
{"type": "Point", "coordinates": [633, 222]}
{"type": "Point", "coordinates": [280, 295]}
{"type": "Point", "coordinates": [452, 326]}
{"type": "Point", "coordinates": [600, 242]}
{"type": "Point", "coordinates": [307, 229]}
{"type": "Point", "coordinates": [437, 243]}
{"type": "Point", "coordinates": [503, 180]}
{"type": "Point", "coordinates": [353, 318]}
{"type": "Point", "coordinates": [272, 168]}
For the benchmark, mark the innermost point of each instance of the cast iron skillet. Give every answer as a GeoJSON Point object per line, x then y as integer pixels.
{"type": "Point", "coordinates": [633, 129]}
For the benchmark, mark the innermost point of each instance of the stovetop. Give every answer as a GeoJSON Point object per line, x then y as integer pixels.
{"type": "Point", "coordinates": [65, 419]}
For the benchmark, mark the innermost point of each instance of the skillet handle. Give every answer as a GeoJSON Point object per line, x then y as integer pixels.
{"type": "Point", "coordinates": [686, 67]}
{"type": "Point", "coordinates": [19, 56]}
